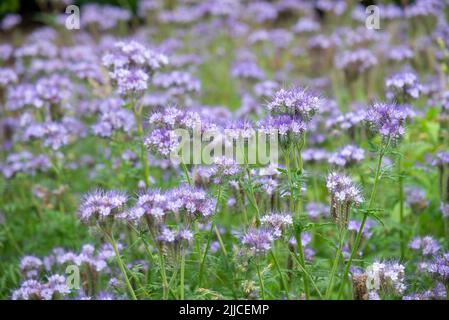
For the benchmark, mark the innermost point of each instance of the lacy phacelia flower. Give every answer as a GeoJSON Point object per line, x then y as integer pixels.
{"type": "Point", "coordinates": [258, 240]}
{"type": "Point", "coordinates": [317, 210]}
{"type": "Point", "coordinates": [53, 135]}
{"type": "Point", "coordinates": [444, 207]}
{"type": "Point", "coordinates": [113, 118]}
{"type": "Point", "coordinates": [24, 162]}
{"type": "Point", "coordinates": [131, 65]}
{"type": "Point", "coordinates": [247, 70]}
{"type": "Point", "coordinates": [23, 95]}
{"type": "Point", "coordinates": [347, 156]}
{"type": "Point", "coordinates": [177, 82]}
{"type": "Point", "coordinates": [387, 119]}
{"type": "Point", "coordinates": [92, 15]}
{"type": "Point", "coordinates": [100, 206]}
{"type": "Point", "coordinates": [54, 89]}
{"type": "Point", "coordinates": [367, 232]}
{"type": "Point", "coordinates": [30, 266]}
{"type": "Point", "coordinates": [288, 129]}
{"type": "Point", "coordinates": [403, 86]}
{"type": "Point", "coordinates": [344, 194]}
{"type": "Point", "coordinates": [277, 222]}
{"type": "Point", "coordinates": [427, 245]}
{"type": "Point", "coordinates": [386, 278]}
{"type": "Point", "coordinates": [7, 77]}
{"type": "Point", "coordinates": [439, 268]}
{"type": "Point", "coordinates": [54, 288]}
{"type": "Point", "coordinates": [195, 202]}
{"type": "Point", "coordinates": [355, 62]}
{"type": "Point", "coordinates": [153, 205]}
{"type": "Point", "coordinates": [174, 237]}
{"type": "Point", "coordinates": [296, 102]}
{"type": "Point", "coordinates": [416, 198]}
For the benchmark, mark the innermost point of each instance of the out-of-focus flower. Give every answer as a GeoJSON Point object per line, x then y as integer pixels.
{"type": "Point", "coordinates": [258, 240]}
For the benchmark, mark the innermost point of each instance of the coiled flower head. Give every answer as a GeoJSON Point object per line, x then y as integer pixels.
{"type": "Point", "coordinates": [101, 206]}
{"type": "Point", "coordinates": [344, 194]}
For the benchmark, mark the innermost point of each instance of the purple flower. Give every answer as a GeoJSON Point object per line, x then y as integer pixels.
{"type": "Point", "coordinates": [52, 134]}
{"type": "Point", "coordinates": [288, 129]}
{"type": "Point", "coordinates": [162, 141]}
{"type": "Point", "coordinates": [7, 77]}
{"type": "Point", "coordinates": [305, 25]}
{"type": "Point", "coordinates": [387, 119]}
{"type": "Point", "coordinates": [315, 210]}
{"type": "Point", "coordinates": [386, 277]}
{"type": "Point", "coordinates": [195, 202]}
{"type": "Point", "coordinates": [404, 85]}
{"type": "Point", "coordinates": [100, 205]}
{"type": "Point", "coordinates": [54, 288]}
{"type": "Point", "coordinates": [53, 89]}
{"type": "Point", "coordinates": [427, 245]}
{"type": "Point", "coordinates": [439, 268]}
{"type": "Point", "coordinates": [416, 198]}
{"type": "Point", "coordinates": [347, 156]}
{"type": "Point", "coordinates": [296, 102]}
{"type": "Point", "coordinates": [277, 222]}
{"type": "Point", "coordinates": [152, 204]}
{"type": "Point", "coordinates": [30, 266]}
{"type": "Point", "coordinates": [10, 21]}
{"type": "Point", "coordinates": [258, 240]}
{"type": "Point", "coordinates": [247, 69]}
{"type": "Point", "coordinates": [367, 232]}
{"type": "Point", "coordinates": [113, 118]}
{"type": "Point", "coordinates": [444, 207]}
{"type": "Point", "coordinates": [24, 162]}
{"type": "Point", "coordinates": [92, 14]}
{"type": "Point", "coordinates": [131, 64]}
{"type": "Point", "coordinates": [177, 82]}
{"type": "Point", "coordinates": [355, 62]}
{"type": "Point", "coordinates": [23, 95]}
{"type": "Point", "coordinates": [400, 53]}
{"type": "Point", "coordinates": [344, 194]}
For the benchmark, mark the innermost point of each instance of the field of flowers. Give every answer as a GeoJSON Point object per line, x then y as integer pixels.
{"type": "Point", "coordinates": [133, 150]}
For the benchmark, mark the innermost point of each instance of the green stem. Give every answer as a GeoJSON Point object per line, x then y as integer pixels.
{"type": "Point", "coordinates": [308, 275]}
{"type": "Point", "coordinates": [253, 197]}
{"type": "Point", "coordinates": [365, 216]}
{"type": "Point", "coordinates": [186, 172]}
{"type": "Point", "coordinates": [122, 267]}
{"type": "Point", "coordinates": [335, 264]}
{"type": "Point", "coordinates": [401, 208]}
{"type": "Point", "coordinates": [209, 238]}
{"type": "Point", "coordinates": [262, 287]}
{"type": "Point", "coordinates": [143, 152]}
{"type": "Point", "coordinates": [281, 275]}
{"type": "Point", "coordinates": [181, 283]}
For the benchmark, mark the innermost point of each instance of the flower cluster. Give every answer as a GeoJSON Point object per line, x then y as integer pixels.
{"type": "Point", "coordinates": [344, 194]}
{"type": "Point", "coordinates": [385, 278]}
{"type": "Point", "coordinates": [387, 119]}
{"type": "Point", "coordinates": [131, 65]}
{"type": "Point", "coordinates": [427, 245]}
{"type": "Point", "coordinates": [101, 206]}
{"type": "Point", "coordinates": [258, 240]}
{"type": "Point", "coordinates": [347, 156]}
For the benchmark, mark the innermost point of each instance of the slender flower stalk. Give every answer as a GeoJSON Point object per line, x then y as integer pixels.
{"type": "Point", "coordinates": [121, 265]}
{"type": "Point", "coordinates": [341, 237]}
{"type": "Point", "coordinates": [401, 206]}
{"type": "Point", "coordinates": [143, 152]}
{"type": "Point", "coordinates": [281, 275]}
{"type": "Point", "coordinates": [365, 215]}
